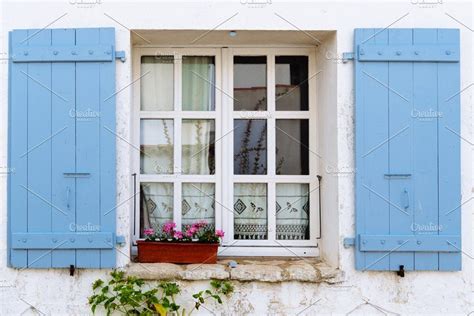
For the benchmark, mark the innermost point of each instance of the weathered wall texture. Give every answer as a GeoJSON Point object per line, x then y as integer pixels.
{"type": "Point", "coordinates": [55, 292]}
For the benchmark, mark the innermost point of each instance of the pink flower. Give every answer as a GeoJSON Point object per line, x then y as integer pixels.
{"type": "Point", "coordinates": [169, 227]}
{"type": "Point", "coordinates": [200, 224]}
{"type": "Point", "coordinates": [149, 232]}
{"type": "Point", "coordinates": [219, 233]}
{"type": "Point", "coordinates": [178, 235]}
{"type": "Point", "coordinates": [191, 231]}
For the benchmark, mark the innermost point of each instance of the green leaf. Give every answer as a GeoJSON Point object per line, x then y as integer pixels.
{"type": "Point", "coordinates": [108, 302]}
{"type": "Point", "coordinates": [216, 284]}
{"type": "Point", "coordinates": [97, 283]}
{"type": "Point", "coordinates": [174, 307]}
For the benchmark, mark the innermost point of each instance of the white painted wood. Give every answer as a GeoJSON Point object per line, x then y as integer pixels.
{"type": "Point", "coordinates": [224, 117]}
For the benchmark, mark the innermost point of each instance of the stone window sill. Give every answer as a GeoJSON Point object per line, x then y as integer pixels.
{"type": "Point", "coordinates": [247, 269]}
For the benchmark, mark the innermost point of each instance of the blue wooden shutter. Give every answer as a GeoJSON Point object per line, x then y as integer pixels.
{"type": "Point", "coordinates": [62, 194]}
{"type": "Point", "coordinates": [408, 200]}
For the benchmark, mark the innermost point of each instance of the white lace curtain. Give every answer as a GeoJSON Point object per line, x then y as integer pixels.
{"type": "Point", "coordinates": [250, 211]}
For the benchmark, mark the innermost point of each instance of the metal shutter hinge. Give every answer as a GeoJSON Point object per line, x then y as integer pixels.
{"type": "Point", "coordinates": [120, 240]}
{"type": "Point", "coordinates": [347, 56]}
{"type": "Point", "coordinates": [120, 55]}
{"type": "Point", "coordinates": [349, 242]}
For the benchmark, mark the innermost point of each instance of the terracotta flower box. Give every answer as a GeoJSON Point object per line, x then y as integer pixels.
{"type": "Point", "coordinates": [176, 252]}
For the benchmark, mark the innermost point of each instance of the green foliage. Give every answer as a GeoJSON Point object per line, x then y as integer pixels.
{"type": "Point", "coordinates": [208, 235]}
{"type": "Point", "coordinates": [126, 295]}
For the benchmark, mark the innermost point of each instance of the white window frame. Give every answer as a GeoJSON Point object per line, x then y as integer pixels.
{"type": "Point", "coordinates": [177, 177]}
{"type": "Point", "coordinates": [224, 116]}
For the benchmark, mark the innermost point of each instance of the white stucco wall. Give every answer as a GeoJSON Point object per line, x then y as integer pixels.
{"type": "Point", "coordinates": [55, 292]}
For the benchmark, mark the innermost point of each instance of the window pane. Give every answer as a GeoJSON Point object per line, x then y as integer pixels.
{"type": "Point", "coordinates": [291, 79]}
{"type": "Point", "coordinates": [292, 147]}
{"type": "Point", "coordinates": [156, 146]}
{"type": "Point", "coordinates": [198, 203]}
{"type": "Point", "coordinates": [156, 205]}
{"type": "Point", "coordinates": [250, 83]}
{"type": "Point", "coordinates": [250, 211]}
{"type": "Point", "coordinates": [292, 211]}
{"type": "Point", "coordinates": [199, 82]}
{"type": "Point", "coordinates": [250, 147]}
{"type": "Point", "coordinates": [198, 137]}
{"type": "Point", "coordinates": [157, 83]}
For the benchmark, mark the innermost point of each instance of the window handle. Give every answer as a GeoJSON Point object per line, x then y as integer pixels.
{"type": "Point", "coordinates": [406, 199]}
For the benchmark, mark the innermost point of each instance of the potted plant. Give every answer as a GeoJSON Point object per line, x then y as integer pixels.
{"type": "Point", "coordinates": [197, 244]}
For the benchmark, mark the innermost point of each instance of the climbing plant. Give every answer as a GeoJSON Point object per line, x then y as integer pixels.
{"type": "Point", "coordinates": [127, 295]}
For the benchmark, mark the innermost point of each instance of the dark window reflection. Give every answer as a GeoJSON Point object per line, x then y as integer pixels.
{"type": "Point", "coordinates": [292, 147]}
{"type": "Point", "coordinates": [291, 80]}
{"type": "Point", "coordinates": [250, 147]}
{"type": "Point", "coordinates": [250, 83]}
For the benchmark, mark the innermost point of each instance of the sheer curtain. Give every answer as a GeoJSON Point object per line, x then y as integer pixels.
{"type": "Point", "coordinates": [198, 83]}
{"type": "Point", "coordinates": [198, 146]}
{"type": "Point", "coordinates": [197, 202]}
{"type": "Point", "coordinates": [250, 211]}
{"type": "Point", "coordinates": [157, 83]}
{"type": "Point", "coordinates": [292, 209]}
{"type": "Point", "coordinates": [156, 203]}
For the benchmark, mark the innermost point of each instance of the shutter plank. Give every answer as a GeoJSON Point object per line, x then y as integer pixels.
{"type": "Point", "coordinates": [39, 148]}
{"type": "Point", "coordinates": [401, 147]}
{"type": "Point", "coordinates": [108, 201]}
{"type": "Point", "coordinates": [88, 147]}
{"type": "Point", "coordinates": [63, 147]}
{"type": "Point", "coordinates": [449, 143]}
{"type": "Point", "coordinates": [375, 152]}
{"type": "Point", "coordinates": [18, 146]}
{"type": "Point", "coordinates": [425, 85]}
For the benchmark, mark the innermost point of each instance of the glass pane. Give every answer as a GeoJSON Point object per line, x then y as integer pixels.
{"type": "Point", "coordinates": [250, 83]}
{"type": "Point", "coordinates": [292, 211]}
{"type": "Point", "coordinates": [198, 137]}
{"type": "Point", "coordinates": [292, 147]}
{"type": "Point", "coordinates": [198, 203]}
{"type": "Point", "coordinates": [250, 147]}
{"type": "Point", "coordinates": [199, 82]}
{"type": "Point", "coordinates": [250, 211]}
{"type": "Point", "coordinates": [157, 83]}
{"type": "Point", "coordinates": [156, 205]}
{"type": "Point", "coordinates": [156, 146]}
{"type": "Point", "coordinates": [291, 80]}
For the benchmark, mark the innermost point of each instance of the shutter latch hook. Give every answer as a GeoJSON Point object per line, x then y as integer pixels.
{"type": "Point", "coordinates": [401, 271]}
{"type": "Point", "coordinates": [71, 270]}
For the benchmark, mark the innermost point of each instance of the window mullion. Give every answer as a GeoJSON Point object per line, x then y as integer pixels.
{"type": "Point", "coordinates": [227, 143]}
{"type": "Point", "coordinates": [271, 142]}
{"type": "Point", "coordinates": [271, 164]}
{"type": "Point", "coordinates": [218, 208]}
{"type": "Point", "coordinates": [177, 141]}
{"type": "Point", "coordinates": [177, 203]}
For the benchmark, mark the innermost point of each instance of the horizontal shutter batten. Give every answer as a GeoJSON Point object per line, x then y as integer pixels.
{"type": "Point", "coordinates": [76, 53]}
{"type": "Point", "coordinates": [99, 240]}
{"type": "Point", "coordinates": [415, 52]}
{"type": "Point", "coordinates": [400, 243]}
